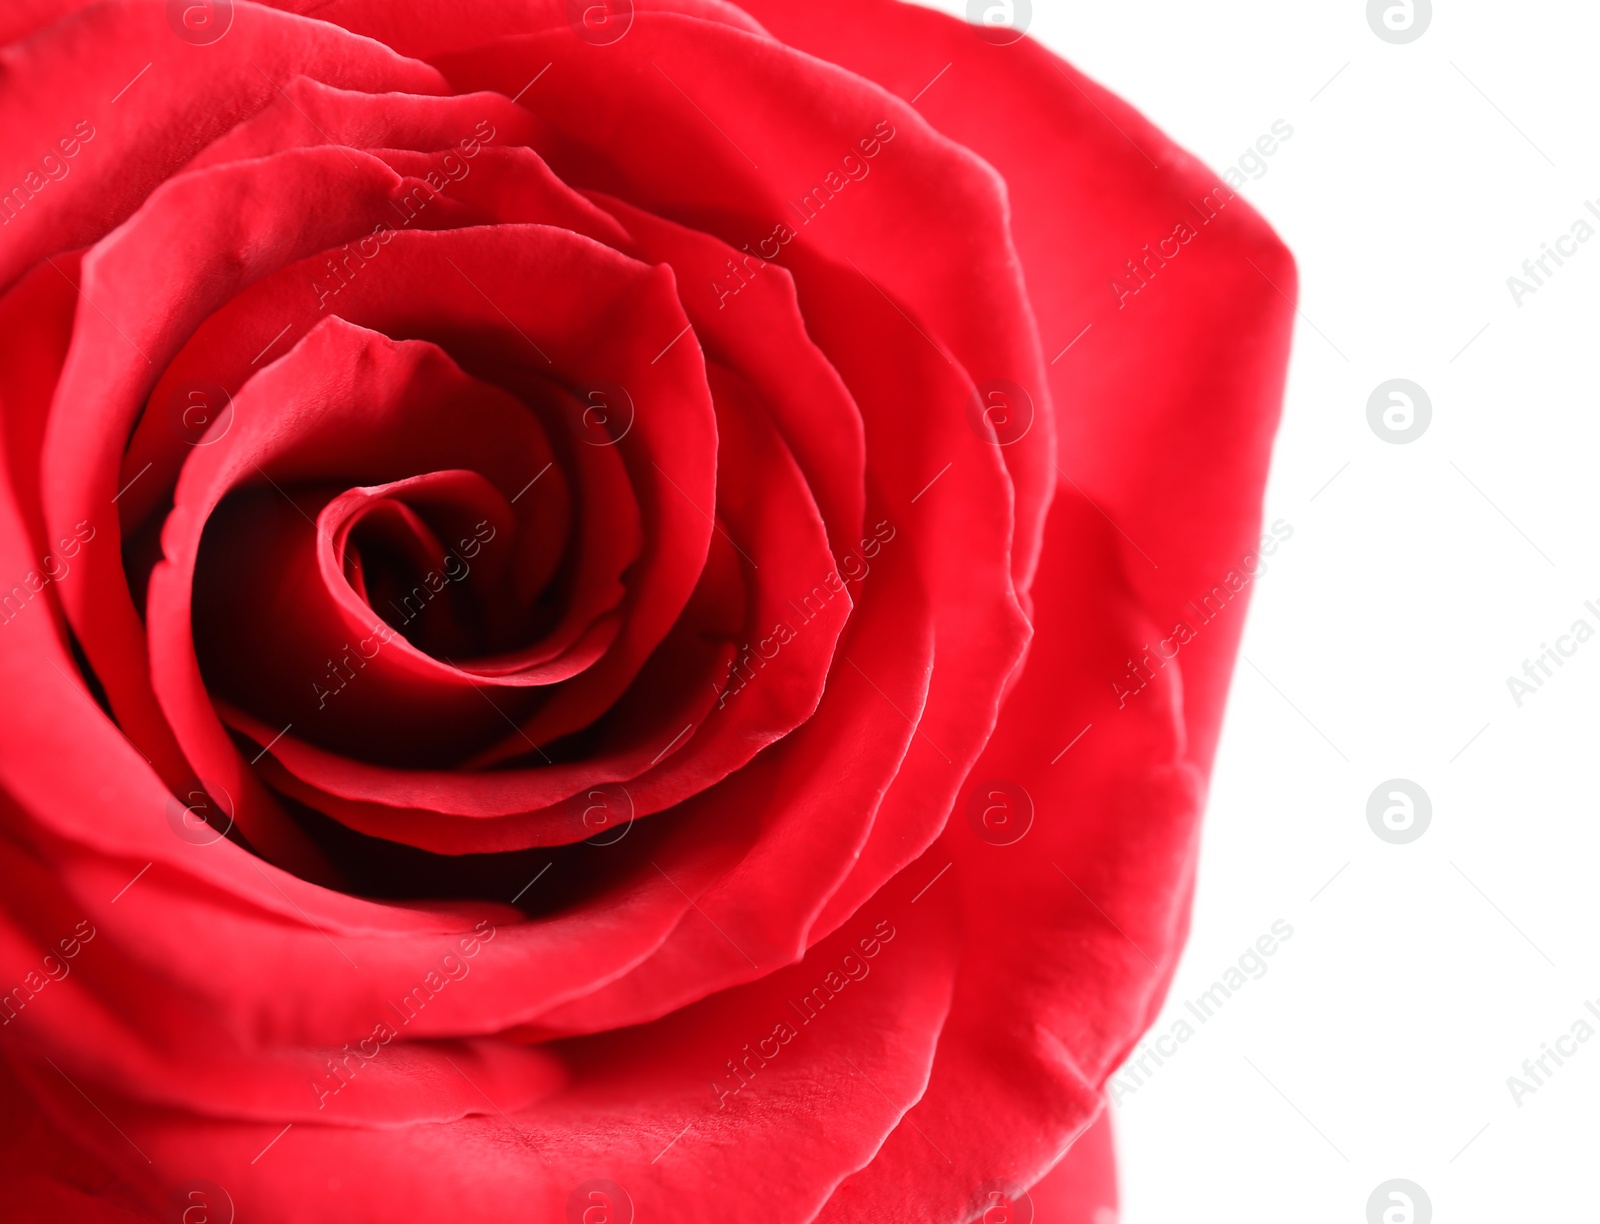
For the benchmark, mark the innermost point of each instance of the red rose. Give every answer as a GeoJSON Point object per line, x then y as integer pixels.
{"type": "Point", "coordinates": [593, 604]}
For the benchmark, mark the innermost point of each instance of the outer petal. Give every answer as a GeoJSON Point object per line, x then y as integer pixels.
{"type": "Point", "coordinates": [68, 80]}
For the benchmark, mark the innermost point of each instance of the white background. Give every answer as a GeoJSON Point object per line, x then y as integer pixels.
{"type": "Point", "coordinates": [1379, 1042]}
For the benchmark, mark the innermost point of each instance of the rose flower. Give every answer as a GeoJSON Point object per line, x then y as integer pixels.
{"type": "Point", "coordinates": [594, 606]}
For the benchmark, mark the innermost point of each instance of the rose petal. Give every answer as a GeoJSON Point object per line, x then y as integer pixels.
{"type": "Point", "coordinates": [125, 152]}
